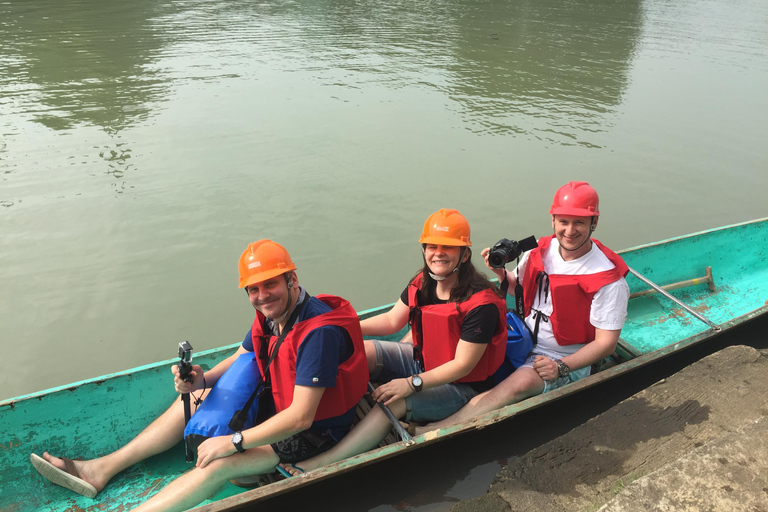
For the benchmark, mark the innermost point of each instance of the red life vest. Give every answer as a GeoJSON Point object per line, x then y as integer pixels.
{"type": "Point", "coordinates": [439, 329]}
{"type": "Point", "coordinates": [571, 296]}
{"type": "Point", "coordinates": [352, 376]}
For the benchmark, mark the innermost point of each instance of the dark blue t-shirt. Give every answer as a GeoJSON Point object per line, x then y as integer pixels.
{"type": "Point", "coordinates": [319, 357]}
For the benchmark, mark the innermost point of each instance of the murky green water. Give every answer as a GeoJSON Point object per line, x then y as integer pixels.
{"type": "Point", "coordinates": [144, 144]}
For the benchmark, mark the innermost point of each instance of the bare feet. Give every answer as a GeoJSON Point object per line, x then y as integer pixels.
{"type": "Point", "coordinates": [295, 470]}
{"type": "Point", "coordinates": [87, 470]}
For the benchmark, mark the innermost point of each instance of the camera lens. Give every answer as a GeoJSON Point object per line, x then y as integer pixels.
{"type": "Point", "coordinates": [497, 258]}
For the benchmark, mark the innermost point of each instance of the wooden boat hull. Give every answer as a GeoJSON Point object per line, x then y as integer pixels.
{"type": "Point", "coordinates": [97, 416]}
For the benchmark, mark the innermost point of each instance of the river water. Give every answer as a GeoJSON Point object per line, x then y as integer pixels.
{"type": "Point", "coordinates": [144, 144]}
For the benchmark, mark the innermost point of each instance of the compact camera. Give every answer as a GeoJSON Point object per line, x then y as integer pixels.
{"type": "Point", "coordinates": [185, 358]}
{"type": "Point", "coordinates": [506, 250]}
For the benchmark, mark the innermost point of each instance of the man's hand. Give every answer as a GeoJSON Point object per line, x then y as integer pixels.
{"type": "Point", "coordinates": [393, 390]}
{"type": "Point", "coordinates": [187, 387]}
{"type": "Point", "coordinates": [546, 367]}
{"type": "Point", "coordinates": [214, 448]}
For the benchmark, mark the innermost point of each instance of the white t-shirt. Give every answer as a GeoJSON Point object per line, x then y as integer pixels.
{"type": "Point", "coordinates": [609, 304]}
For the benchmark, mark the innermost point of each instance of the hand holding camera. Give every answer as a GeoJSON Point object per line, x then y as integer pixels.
{"type": "Point", "coordinates": [506, 250]}
{"type": "Point", "coordinates": [186, 376]}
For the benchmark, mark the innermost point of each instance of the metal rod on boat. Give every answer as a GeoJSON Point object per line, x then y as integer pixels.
{"type": "Point", "coordinates": [675, 300]}
{"type": "Point", "coordinates": [708, 279]}
{"type": "Point", "coordinates": [395, 423]}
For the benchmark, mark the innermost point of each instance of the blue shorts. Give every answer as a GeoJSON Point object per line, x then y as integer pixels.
{"type": "Point", "coordinates": [549, 385]}
{"type": "Point", "coordinates": [394, 360]}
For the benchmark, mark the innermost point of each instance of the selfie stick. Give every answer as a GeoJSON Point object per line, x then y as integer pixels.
{"type": "Point", "coordinates": [185, 355]}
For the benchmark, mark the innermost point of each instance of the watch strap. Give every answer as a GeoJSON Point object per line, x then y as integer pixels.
{"type": "Point", "coordinates": [239, 443]}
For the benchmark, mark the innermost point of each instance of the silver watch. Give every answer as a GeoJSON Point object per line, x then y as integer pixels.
{"type": "Point", "coordinates": [562, 368]}
{"type": "Point", "coordinates": [237, 440]}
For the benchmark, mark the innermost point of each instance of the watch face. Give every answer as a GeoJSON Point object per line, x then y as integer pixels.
{"type": "Point", "coordinates": [416, 381]}
{"type": "Point", "coordinates": [237, 437]}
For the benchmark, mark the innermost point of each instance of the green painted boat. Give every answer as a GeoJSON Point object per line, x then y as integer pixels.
{"type": "Point", "coordinates": [717, 280]}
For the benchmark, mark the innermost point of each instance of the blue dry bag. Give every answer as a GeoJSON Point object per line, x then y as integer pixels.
{"type": "Point", "coordinates": [229, 395]}
{"type": "Point", "coordinates": [519, 345]}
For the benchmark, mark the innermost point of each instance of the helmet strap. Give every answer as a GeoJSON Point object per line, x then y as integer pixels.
{"type": "Point", "coordinates": [589, 238]}
{"type": "Point", "coordinates": [435, 276]}
{"type": "Point", "coordinates": [288, 308]}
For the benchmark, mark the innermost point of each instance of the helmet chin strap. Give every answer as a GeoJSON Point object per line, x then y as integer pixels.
{"type": "Point", "coordinates": [589, 238]}
{"type": "Point", "coordinates": [443, 278]}
{"type": "Point", "coordinates": [288, 308]}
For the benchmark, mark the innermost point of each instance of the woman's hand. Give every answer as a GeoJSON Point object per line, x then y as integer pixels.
{"type": "Point", "coordinates": [546, 368]}
{"type": "Point", "coordinates": [214, 448]}
{"type": "Point", "coordinates": [393, 390]}
{"type": "Point", "coordinates": [188, 387]}
{"type": "Point", "coordinates": [498, 271]}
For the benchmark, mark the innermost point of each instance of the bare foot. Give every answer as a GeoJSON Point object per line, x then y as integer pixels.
{"type": "Point", "coordinates": [296, 469]}
{"type": "Point", "coordinates": [87, 470]}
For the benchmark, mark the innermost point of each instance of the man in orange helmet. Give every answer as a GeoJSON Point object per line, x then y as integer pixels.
{"type": "Point", "coordinates": [575, 303]}
{"type": "Point", "coordinates": [308, 356]}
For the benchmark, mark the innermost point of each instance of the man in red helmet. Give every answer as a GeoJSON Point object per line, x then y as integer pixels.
{"type": "Point", "coordinates": [575, 298]}
{"type": "Point", "coordinates": [307, 350]}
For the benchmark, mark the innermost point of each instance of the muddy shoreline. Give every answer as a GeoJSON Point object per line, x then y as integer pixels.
{"type": "Point", "coordinates": [655, 448]}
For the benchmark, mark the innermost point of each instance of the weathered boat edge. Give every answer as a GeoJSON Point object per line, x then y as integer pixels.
{"type": "Point", "coordinates": [478, 423]}
{"type": "Point", "coordinates": [205, 355]}
{"type": "Point", "coordinates": [692, 235]}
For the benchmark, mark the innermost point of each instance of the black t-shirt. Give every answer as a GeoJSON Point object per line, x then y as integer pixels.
{"type": "Point", "coordinates": [478, 326]}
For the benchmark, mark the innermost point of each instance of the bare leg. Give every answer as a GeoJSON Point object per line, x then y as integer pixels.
{"type": "Point", "coordinates": [159, 436]}
{"type": "Point", "coordinates": [363, 437]}
{"type": "Point", "coordinates": [198, 484]}
{"type": "Point", "coordinates": [523, 383]}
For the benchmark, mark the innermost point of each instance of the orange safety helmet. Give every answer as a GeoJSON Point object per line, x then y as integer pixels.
{"type": "Point", "coordinates": [446, 227]}
{"type": "Point", "coordinates": [263, 260]}
{"type": "Point", "coordinates": [576, 198]}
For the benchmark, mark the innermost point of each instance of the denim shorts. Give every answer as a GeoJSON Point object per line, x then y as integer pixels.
{"type": "Point", "coordinates": [549, 385]}
{"type": "Point", "coordinates": [394, 360]}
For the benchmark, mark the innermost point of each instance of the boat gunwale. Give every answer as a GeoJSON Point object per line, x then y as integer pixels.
{"type": "Point", "coordinates": [692, 235]}
{"type": "Point", "coordinates": [476, 423]}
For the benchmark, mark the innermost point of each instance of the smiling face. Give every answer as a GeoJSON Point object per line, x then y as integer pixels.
{"type": "Point", "coordinates": [270, 297]}
{"type": "Point", "coordinates": [442, 259]}
{"type": "Point", "coordinates": [573, 233]}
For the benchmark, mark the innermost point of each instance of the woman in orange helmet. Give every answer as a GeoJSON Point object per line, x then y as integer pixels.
{"type": "Point", "coordinates": [456, 342]}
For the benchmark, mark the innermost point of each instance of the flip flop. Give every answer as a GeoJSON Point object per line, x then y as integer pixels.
{"type": "Point", "coordinates": [294, 466]}
{"type": "Point", "coordinates": [69, 478]}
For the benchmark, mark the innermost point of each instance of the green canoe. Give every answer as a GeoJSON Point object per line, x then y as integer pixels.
{"type": "Point", "coordinates": [717, 279]}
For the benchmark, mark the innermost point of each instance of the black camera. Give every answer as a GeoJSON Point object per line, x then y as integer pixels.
{"type": "Point", "coordinates": [506, 250]}
{"type": "Point", "coordinates": [185, 358]}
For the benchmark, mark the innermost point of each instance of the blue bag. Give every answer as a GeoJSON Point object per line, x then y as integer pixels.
{"type": "Point", "coordinates": [519, 345]}
{"type": "Point", "coordinates": [229, 395]}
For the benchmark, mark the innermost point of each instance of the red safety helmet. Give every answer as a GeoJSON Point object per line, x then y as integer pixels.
{"type": "Point", "coordinates": [446, 227]}
{"type": "Point", "coordinates": [576, 198]}
{"type": "Point", "coordinates": [263, 260]}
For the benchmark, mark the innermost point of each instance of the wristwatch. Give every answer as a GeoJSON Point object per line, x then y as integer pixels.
{"type": "Point", "coordinates": [562, 368]}
{"type": "Point", "coordinates": [417, 383]}
{"type": "Point", "coordinates": [237, 440]}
